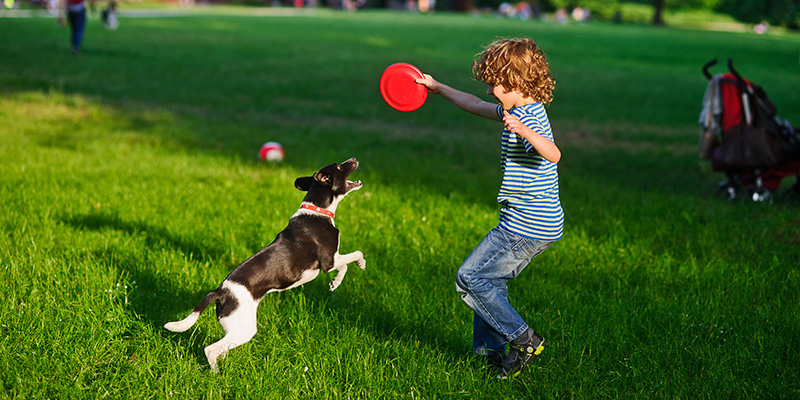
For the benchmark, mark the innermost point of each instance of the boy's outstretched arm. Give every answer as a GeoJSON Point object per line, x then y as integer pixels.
{"type": "Point", "coordinates": [465, 101]}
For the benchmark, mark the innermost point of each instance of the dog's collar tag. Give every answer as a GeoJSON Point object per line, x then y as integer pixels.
{"type": "Point", "coordinates": [317, 209]}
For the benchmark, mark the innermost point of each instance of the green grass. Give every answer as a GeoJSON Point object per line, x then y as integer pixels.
{"type": "Point", "coordinates": [130, 187]}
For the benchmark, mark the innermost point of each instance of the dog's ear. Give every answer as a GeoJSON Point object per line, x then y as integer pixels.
{"type": "Point", "coordinates": [323, 178]}
{"type": "Point", "coordinates": [303, 183]}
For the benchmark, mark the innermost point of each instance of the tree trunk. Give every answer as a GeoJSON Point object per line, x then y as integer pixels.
{"type": "Point", "coordinates": [658, 19]}
{"type": "Point", "coordinates": [462, 5]}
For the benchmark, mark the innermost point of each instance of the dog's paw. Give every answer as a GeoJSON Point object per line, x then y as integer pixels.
{"type": "Point", "coordinates": [212, 354]}
{"type": "Point", "coordinates": [333, 285]}
{"type": "Point", "coordinates": [362, 263]}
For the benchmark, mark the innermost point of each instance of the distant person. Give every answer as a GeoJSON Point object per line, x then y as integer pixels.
{"type": "Point", "coordinates": [505, 9]}
{"type": "Point", "coordinates": [562, 16]}
{"type": "Point", "coordinates": [76, 15]}
{"type": "Point", "coordinates": [761, 28]}
{"type": "Point", "coordinates": [531, 218]}
{"type": "Point", "coordinates": [109, 16]}
{"type": "Point", "coordinates": [53, 7]}
{"type": "Point", "coordinates": [578, 14]}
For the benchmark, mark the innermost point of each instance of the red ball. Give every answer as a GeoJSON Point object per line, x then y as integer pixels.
{"type": "Point", "coordinates": [271, 152]}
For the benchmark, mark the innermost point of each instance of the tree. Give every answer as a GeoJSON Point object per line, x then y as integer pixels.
{"type": "Point", "coordinates": [777, 12]}
{"type": "Point", "coordinates": [658, 15]}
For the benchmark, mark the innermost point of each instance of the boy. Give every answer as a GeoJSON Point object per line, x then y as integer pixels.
{"type": "Point", "coordinates": [531, 218]}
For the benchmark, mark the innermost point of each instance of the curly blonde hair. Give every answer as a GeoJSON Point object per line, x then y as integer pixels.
{"type": "Point", "coordinates": [516, 64]}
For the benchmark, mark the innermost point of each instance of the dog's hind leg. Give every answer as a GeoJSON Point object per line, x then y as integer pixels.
{"type": "Point", "coordinates": [240, 334]}
{"type": "Point", "coordinates": [240, 325]}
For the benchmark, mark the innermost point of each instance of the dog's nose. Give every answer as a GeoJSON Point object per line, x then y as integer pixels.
{"type": "Point", "coordinates": [352, 160]}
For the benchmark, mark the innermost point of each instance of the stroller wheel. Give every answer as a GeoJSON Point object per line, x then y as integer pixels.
{"type": "Point", "coordinates": [762, 195]}
{"type": "Point", "coordinates": [728, 190]}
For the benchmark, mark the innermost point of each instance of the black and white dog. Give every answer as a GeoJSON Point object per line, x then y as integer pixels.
{"type": "Point", "coordinates": [309, 243]}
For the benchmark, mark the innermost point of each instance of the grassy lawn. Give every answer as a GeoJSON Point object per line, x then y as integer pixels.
{"type": "Point", "coordinates": [130, 187]}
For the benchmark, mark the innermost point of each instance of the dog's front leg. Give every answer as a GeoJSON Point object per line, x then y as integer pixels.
{"type": "Point", "coordinates": [340, 263]}
{"type": "Point", "coordinates": [339, 277]}
{"type": "Point", "coordinates": [356, 256]}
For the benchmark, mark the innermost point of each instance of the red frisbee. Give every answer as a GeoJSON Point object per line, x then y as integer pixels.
{"type": "Point", "coordinates": [399, 89]}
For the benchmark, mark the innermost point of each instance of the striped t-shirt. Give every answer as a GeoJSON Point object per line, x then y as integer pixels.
{"type": "Point", "coordinates": [529, 192]}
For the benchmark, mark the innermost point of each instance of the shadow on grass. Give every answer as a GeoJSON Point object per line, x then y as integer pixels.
{"type": "Point", "coordinates": [158, 296]}
{"type": "Point", "coordinates": [230, 102]}
{"type": "Point", "coordinates": [384, 323]}
{"type": "Point", "coordinates": [154, 236]}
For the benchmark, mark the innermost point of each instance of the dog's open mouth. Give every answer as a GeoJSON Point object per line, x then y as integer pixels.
{"type": "Point", "coordinates": [350, 166]}
{"type": "Point", "coordinates": [354, 185]}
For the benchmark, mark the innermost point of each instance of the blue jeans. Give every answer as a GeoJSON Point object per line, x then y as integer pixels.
{"type": "Point", "coordinates": [482, 281]}
{"type": "Point", "coordinates": [77, 24]}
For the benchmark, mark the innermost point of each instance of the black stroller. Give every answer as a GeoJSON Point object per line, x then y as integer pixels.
{"type": "Point", "coordinates": [744, 138]}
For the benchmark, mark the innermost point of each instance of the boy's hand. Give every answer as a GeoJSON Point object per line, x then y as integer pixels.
{"type": "Point", "coordinates": [513, 123]}
{"type": "Point", "coordinates": [543, 146]}
{"type": "Point", "coordinates": [429, 83]}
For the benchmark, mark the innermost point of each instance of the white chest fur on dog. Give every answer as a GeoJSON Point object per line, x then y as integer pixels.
{"type": "Point", "coordinates": [308, 245]}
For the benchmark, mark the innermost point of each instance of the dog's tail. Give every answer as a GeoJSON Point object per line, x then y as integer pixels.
{"type": "Point", "coordinates": [186, 323]}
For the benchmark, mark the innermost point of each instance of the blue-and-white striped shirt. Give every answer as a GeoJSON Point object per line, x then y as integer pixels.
{"type": "Point", "coordinates": [529, 192]}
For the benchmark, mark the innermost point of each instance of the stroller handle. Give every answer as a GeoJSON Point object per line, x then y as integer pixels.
{"type": "Point", "coordinates": [735, 72]}
{"type": "Point", "coordinates": [707, 66]}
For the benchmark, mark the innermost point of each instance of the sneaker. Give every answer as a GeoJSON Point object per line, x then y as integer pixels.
{"type": "Point", "coordinates": [494, 360]}
{"type": "Point", "coordinates": [520, 354]}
